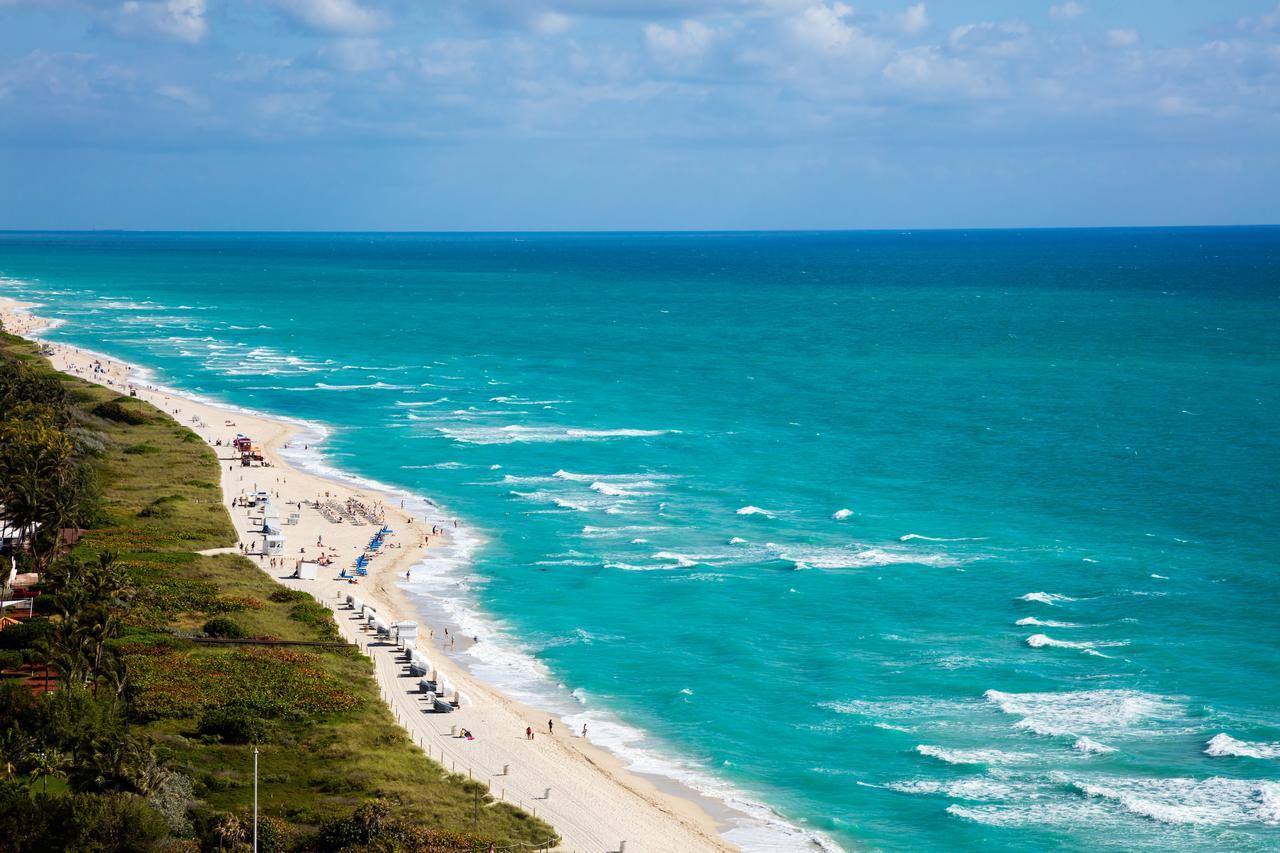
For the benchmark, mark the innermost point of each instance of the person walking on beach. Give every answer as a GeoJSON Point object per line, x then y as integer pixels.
{"type": "Point", "coordinates": [550, 727]}
{"type": "Point", "coordinates": [528, 732]}
{"type": "Point", "coordinates": [584, 729]}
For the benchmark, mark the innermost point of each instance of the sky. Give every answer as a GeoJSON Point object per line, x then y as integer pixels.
{"type": "Point", "coordinates": [637, 114]}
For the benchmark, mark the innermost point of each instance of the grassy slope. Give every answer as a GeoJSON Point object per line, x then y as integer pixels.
{"type": "Point", "coordinates": [313, 769]}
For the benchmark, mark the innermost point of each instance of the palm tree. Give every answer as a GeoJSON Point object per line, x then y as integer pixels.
{"type": "Point", "coordinates": [15, 745]}
{"type": "Point", "coordinates": [45, 763]}
{"type": "Point", "coordinates": [228, 830]}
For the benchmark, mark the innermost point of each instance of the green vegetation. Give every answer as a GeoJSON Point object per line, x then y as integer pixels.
{"type": "Point", "coordinates": [145, 742]}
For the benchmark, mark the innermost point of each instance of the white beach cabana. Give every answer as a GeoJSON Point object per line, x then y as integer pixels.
{"type": "Point", "coordinates": [405, 632]}
{"type": "Point", "coordinates": [306, 571]}
{"type": "Point", "coordinates": [273, 545]}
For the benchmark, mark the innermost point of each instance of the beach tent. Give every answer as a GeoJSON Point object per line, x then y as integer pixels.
{"type": "Point", "coordinates": [306, 571]}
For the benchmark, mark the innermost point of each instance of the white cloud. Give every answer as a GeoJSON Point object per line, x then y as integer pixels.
{"type": "Point", "coordinates": [337, 17]}
{"type": "Point", "coordinates": [451, 59]}
{"type": "Point", "coordinates": [927, 69]}
{"type": "Point", "coordinates": [914, 20]}
{"type": "Point", "coordinates": [992, 39]}
{"type": "Point", "coordinates": [355, 55]}
{"type": "Point", "coordinates": [1176, 105]}
{"type": "Point", "coordinates": [827, 28]}
{"type": "Point", "coordinates": [183, 20]}
{"type": "Point", "coordinates": [1264, 23]}
{"type": "Point", "coordinates": [551, 23]}
{"type": "Point", "coordinates": [1070, 9]}
{"type": "Point", "coordinates": [1122, 38]}
{"type": "Point", "coordinates": [184, 96]}
{"type": "Point", "coordinates": [689, 42]}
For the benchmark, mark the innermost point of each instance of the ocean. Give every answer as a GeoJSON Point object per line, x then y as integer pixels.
{"type": "Point", "coordinates": [953, 540]}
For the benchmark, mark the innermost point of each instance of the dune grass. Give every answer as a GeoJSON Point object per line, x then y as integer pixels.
{"type": "Point", "coordinates": [331, 744]}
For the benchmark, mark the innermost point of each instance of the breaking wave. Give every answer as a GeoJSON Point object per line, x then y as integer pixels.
{"type": "Point", "coordinates": [1223, 745]}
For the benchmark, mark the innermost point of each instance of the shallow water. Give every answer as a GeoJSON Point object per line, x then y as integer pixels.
{"type": "Point", "coordinates": [932, 541]}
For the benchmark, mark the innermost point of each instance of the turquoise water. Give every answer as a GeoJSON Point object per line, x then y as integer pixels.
{"type": "Point", "coordinates": [931, 541]}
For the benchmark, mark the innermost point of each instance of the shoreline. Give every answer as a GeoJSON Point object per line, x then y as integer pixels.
{"type": "Point", "coordinates": [596, 800]}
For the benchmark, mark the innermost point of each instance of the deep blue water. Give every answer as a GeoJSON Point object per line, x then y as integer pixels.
{"type": "Point", "coordinates": [1055, 581]}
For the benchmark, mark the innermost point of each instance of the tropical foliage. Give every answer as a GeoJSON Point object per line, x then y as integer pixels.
{"type": "Point", "coordinates": [142, 741]}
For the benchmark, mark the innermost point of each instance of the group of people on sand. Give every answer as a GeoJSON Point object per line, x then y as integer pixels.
{"type": "Point", "coordinates": [528, 731]}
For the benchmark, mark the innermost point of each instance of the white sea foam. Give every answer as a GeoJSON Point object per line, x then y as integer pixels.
{"type": "Point", "coordinates": [1045, 597]}
{"type": "Point", "coordinates": [632, 489]}
{"type": "Point", "coordinates": [857, 557]}
{"type": "Point", "coordinates": [681, 560]}
{"type": "Point", "coordinates": [520, 401]}
{"type": "Point", "coordinates": [890, 727]}
{"type": "Point", "coordinates": [1213, 802]}
{"type": "Point", "coordinates": [842, 514]}
{"type": "Point", "coordinates": [1089, 746]}
{"type": "Point", "coordinates": [1224, 745]}
{"type": "Point", "coordinates": [1087, 712]}
{"type": "Point", "coordinates": [415, 403]}
{"type": "Point", "coordinates": [1034, 814]}
{"type": "Point", "coordinates": [737, 540]}
{"type": "Point", "coordinates": [1039, 641]}
{"type": "Point", "coordinates": [1045, 623]}
{"type": "Point", "coordinates": [617, 433]}
{"type": "Point", "coordinates": [975, 756]}
{"type": "Point", "coordinates": [553, 498]}
{"type": "Point", "coordinates": [963, 789]}
{"type": "Point", "coordinates": [593, 532]}
{"type": "Point", "coordinates": [910, 536]}
{"type": "Point", "coordinates": [513, 433]}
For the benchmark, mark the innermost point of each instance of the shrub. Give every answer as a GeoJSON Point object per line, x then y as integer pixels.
{"type": "Point", "coordinates": [235, 724]}
{"type": "Point", "coordinates": [141, 449]}
{"type": "Point", "coordinates": [284, 595]}
{"type": "Point", "coordinates": [10, 659]}
{"type": "Point", "coordinates": [102, 822]}
{"type": "Point", "coordinates": [160, 507]}
{"type": "Point", "coordinates": [112, 410]}
{"type": "Point", "coordinates": [222, 626]}
{"type": "Point", "coordinates": [173, 799]}
{"type": "Point", "coordinates": [26, 634]}
{"type": "Point", "coordinates": [310, 613]}
{"type": "Point", "coordinates": [88, 441]}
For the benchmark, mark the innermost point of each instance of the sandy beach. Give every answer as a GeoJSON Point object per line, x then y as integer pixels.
{"type": "Point", "coordinates": [585, 792]}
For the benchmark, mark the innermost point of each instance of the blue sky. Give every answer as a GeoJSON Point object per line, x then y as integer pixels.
{"type": "Point", "coordinates": [462, 114]}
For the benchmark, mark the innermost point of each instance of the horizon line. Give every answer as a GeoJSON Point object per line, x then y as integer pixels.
{"type": "Point", "coordinates": [606, 231]}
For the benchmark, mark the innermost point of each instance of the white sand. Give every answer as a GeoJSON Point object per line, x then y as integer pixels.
{"type": "Point", "coordinates": [594, 802]}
